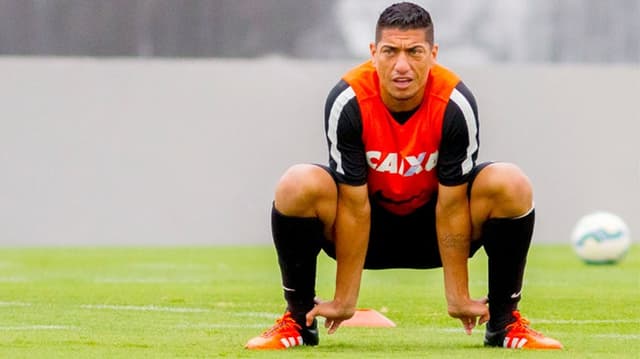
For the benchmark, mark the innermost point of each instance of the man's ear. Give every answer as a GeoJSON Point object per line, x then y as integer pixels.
{"type": "Point", "coordinates": [372, 51]}
{"type": "Point", "coordinates": [434, 51]}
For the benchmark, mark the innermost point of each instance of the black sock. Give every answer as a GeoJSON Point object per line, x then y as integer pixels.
{"type": "Point", "coordinates": [298, 241]}
{"type": "Point", "coordinates": [506, 242]}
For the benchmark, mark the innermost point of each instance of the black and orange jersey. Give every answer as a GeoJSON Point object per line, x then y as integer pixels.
{"type": "Point", "coordinates": [401, 156]}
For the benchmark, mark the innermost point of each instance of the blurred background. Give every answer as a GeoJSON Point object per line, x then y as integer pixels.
{"type": "Point", "coordinates": [473, 32]}
{"type": "Point", "coordinates": [130, 122]}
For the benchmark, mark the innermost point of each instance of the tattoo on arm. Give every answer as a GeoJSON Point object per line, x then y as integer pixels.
{"type": "Point", "coordinates": [453, 241]}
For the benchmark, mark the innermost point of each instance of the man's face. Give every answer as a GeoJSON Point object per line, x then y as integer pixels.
{"type": "Point", "coordinates": [403, 59]}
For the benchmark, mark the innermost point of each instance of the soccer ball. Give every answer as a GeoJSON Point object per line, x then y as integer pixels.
{"type": "Point", "coordinates": [601, 238]}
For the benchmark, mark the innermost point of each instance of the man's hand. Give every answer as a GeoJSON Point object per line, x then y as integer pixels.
{"type": "Point", "coordinates": [475, 312]}
{"type": "Point", "coordinates": [333, 313]}
{"type": "Point", "coordinates": [351, 238]}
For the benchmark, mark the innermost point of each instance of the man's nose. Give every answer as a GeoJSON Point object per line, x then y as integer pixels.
{"type": "Point", "coordinates": [402, 64]}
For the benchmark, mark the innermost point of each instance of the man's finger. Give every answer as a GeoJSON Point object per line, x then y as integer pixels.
{"type": "Point", "coordinates": [467, 324]}
{"type": "Point", "coordinates": [311, 315]}
{"type": "Point", "coordinates": [484, 319]}
{"type": "Point", "coordinates": [335, 324]}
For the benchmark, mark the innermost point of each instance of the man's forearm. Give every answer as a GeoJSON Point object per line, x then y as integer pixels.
{"type": "Point", "coordinates": [351, 240]}
{"type": "Point", "coordinates": [454, 229]}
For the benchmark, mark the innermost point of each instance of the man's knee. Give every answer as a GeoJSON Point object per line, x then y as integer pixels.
{"type": "Point", "coordinates": [507, 187]}
{"type": "Point", "coordinates": [302, 188]}
{"type": "Point", "coordinates": [513, 181]}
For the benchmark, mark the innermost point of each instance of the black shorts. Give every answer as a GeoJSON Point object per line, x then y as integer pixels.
{"type": "Point", "coordinates": [407, 241]}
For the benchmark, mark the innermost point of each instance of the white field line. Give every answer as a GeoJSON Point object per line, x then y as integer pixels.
{"type": "Point", "coordinates": [145, 280]}
{"type": "Point", "coordinates": [36, 327]}
{"type": "Point", "coordinates": [172, 266]}
{"type": "Point", "coordinates": [479, 331]}
{"type": "Point", "coordinates": [265, 315]}
{"type": "Point", "coordinates": [618, 336]}
{"type": "Point", "coordinates": [221, 326]}
{"type": "Point", "coordinates": [585, 321]}
{"type": "Point", "coordinates": [154, 308]}
{"type": "Point", "coordinates": [268, 315]}
{"type": "Point", "coordinates": [145, 308]}
{"type": "Point", "coordinates": [13, 280]}
{"type": "Point", "coordinates": [14, 304]}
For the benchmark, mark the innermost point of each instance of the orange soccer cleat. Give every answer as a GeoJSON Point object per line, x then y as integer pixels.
{"type": "Point", "coordinates": [286, 333]}
{"type": "Point", "coordinates": [518, 335]}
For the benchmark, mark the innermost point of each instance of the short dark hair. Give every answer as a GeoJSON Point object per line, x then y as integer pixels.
{"type": "Point", "coordinates": [405, 16]}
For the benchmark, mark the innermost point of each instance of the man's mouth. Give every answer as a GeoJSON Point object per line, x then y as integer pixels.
{"type": "Point", "coordinates": [402, 82]}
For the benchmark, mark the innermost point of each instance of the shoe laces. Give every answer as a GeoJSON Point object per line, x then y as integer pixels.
{"type": "Point", "coordinates": [521, 324]}
{"type": "Point", "coordinates": [286, 322]}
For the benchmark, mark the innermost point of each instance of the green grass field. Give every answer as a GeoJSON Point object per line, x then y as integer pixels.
{"type": "Point", "coordinates": [207, 302]}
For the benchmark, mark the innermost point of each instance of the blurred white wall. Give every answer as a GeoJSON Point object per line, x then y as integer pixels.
{"type": "Point", "coordinates": [512, 31]}
{"type": "Point", "coordinates": [132, 152]}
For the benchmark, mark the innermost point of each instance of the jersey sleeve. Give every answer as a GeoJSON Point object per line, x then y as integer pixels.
{"type": "Point", "coordinates": [460, 137]}
{"type": "Point", "coordinates": [343, 129]}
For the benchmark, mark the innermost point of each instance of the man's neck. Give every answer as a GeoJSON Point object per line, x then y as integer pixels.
{"type": "Point", "coordinates": [403, 116]}
{"type": "Point", "coordinates": [396, 105]}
